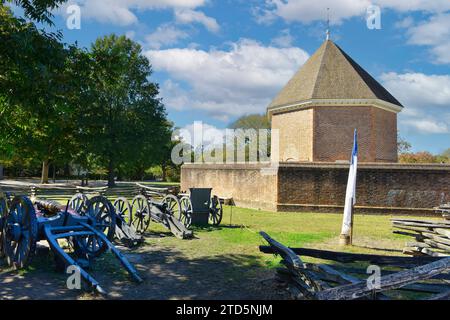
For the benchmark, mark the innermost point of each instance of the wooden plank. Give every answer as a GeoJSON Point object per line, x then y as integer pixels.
{"type": "Point", "coordinates": [437, 245]}
{"type": "Point", "coordinates": [345, 257]}
{"type": "Point", "coordinates": [421, 221]}
{"type": "Point", "coordinates": [415, 229]}
{"type": "Point", "coordinates": [438, 239]}
{"type": "Point", "coordinates": [417, 245]}
{"type": "Point", "coordinates": [433, 254]}
{"type": "Point", "coordinates": [443, 232]}
{"type": "Point", "coordinates": [420, 225]}
{"type": "Point", "coordinates": [389, 282]}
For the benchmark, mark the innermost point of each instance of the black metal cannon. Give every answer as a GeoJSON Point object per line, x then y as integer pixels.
{"type": "Point", "coordinates": [154, 204]}
{"type": "Point", "coordinates": [88, 233]}
{"type": "Point", "coordinates": [200, 208]}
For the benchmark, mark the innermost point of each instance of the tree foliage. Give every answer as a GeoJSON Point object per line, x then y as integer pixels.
{"type": "Point", "coordinates": [61, 104]}
{"type": "Point", "coordinates": [126, 121]}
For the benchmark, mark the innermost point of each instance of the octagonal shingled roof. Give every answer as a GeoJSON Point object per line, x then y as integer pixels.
{"type": "Point", "coordinates": [330, 73]}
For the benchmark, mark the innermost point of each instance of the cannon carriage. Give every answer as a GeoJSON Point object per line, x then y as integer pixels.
{"type": "Point", "coordinates": [124, 231]}
{"type": "Point", "coordinates": [157, 205]}
{"type": "Point", "coordinates": [23, 223]}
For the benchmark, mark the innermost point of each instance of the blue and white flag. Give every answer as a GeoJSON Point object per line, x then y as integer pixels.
{"type": "Point", "coordinates": [350, 197]}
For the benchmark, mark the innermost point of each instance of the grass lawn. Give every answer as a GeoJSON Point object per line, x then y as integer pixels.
{"type": "Point", "coordinates": [372, 234]}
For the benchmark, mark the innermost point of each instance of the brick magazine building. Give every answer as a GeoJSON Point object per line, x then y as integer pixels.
{"type": "Point", "coordinates": [316, 114]}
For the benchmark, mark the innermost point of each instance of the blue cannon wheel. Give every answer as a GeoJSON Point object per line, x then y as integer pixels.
{"type": "Point", "coordinates": [103, 217]}
{"type": "Point", "coordinates": [78, 203]}
{"type": "Point", "coordinates": [140, 214]}
{"type": "Point", "coordinates": [3, 210]}
{"type": "Point", "coordinates": [20, 233]}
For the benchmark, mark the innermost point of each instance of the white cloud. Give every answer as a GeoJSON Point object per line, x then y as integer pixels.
{"type": "Point", "coordinates": [121, 12]}
{"type": "Point", "coordinates": [284, 40]}
{"type": "Point", "coordinates": [434, 33]}
{"type": "Point", "coordinates": [426, 99]}
{"type": "Point", "coordinates": [202, 134]}
{"type": "Point", "coordinates": [165, 35]}
{"type": "Point", "coordinates": [307, 11]}
{"type": "Point", "coordinates": [189, 16]}
{"type": "Point", "coordinates": [239, 81]}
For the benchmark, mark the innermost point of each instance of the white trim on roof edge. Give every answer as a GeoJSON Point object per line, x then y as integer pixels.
{"type": "Point", "coordinates": [378, 103]}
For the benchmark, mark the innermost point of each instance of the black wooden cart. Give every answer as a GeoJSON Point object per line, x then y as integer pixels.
{"type": "Point", "coordinates": [198, 207]}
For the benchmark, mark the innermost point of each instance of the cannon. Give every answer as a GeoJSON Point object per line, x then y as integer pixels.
{"type": "Point", "coordinates": [124, 232]}
{"type": "Point", "coordinates": [200, 208]}
{"type": "Point", "coordinates": [88, 233]}
{"type": "Point", "coordinates": [153, 204]}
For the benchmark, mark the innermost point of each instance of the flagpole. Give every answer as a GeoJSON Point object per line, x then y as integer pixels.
{"type": "Point", "coordinates": [346, 237]}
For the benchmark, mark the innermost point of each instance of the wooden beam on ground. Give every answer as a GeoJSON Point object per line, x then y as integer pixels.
{"type": "Point", "coordinates": [389, 282]}
{"type": "Point", "coordinates": [345, 257]}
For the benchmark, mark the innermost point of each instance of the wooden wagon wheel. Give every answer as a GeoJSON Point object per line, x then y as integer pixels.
{"type": "Point", "coordinates": [215, 211]}
{"type": "Point", "coordinates": [78, 203]}
{"type": "Point", "coordinates": [3, 210]}
{"type": "Point", "coordinates": [103, 217]}
{"type": "Point", "coordinates": [20, 233]}
{"type": "Point", "coordinates": [123, 209]}
{"type": "Point", "coordinates": [172, 204]}
{"type": "Point", "coordinates": [185, 216]}
{"type": "Point", "coordinates": [140, 214]}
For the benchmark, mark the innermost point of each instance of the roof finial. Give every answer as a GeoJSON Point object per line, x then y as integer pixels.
{"type": "Point", "coordinates": [328, 24]}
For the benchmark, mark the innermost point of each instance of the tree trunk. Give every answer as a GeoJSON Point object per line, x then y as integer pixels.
{"type": "Point", "coordinates": [44, 177]}
{"type": "Point", "coordinates": [111, 181]}
{"type": "Point", "coordinates": [1, 172]}
{"type": "Point", "coordinates": [54, 173]}
{"type": "Point", "coordinates": [164, 172]}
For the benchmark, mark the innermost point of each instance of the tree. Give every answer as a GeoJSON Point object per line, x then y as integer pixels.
{"type": "Point", "coordinates": [33, 86]}
{"type": "Point", "coordinates": [37, 10]}
{"type": "Point", "coordinates": [403, 146]}
{"type": "Point", "coordinates": [419, 157]}
{"type": "Point", "coordinates": [251, 122]}
{"type": "Point", "coordinates": [126, 122]}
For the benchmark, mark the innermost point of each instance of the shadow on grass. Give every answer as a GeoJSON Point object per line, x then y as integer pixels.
{"type": "Point", "coordinates": [168, 274]}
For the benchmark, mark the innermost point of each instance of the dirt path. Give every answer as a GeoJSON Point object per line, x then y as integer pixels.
{"type": "Point", "coordinates": [168, 275]}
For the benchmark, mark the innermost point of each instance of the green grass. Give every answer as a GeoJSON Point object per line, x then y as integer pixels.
{"type": "Point", "coordinates": [372, 234]}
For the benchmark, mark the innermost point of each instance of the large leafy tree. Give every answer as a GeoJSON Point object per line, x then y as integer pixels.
{"type": "Point", "coordinates": [127, 122]}
{"type": "Point", "coordinates": [33, 85]}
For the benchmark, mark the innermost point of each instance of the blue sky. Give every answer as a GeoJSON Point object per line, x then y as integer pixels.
{"type": "Point", "coordinates": [216, 60]}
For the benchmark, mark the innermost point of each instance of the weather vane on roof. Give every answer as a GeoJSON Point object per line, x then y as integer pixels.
{"type": "Point", "coordinates": [328, 24]}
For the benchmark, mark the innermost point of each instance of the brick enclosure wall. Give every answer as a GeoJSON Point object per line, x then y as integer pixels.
{"type": "Point", "coordinates": [388, 188]}
{"type": "Point", "coordinates": [296, 135]}
{"type": "Point", "coordinates": [382, 188]}
{"type": "Point", "coordinates": [245, 183]}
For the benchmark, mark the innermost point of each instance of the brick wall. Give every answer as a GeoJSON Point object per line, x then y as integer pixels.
{"type": "Point", "coordinates": [245, 183]}
{"type": "Point", "coordinates": [385, 123]}
{"type": "Point", "coordinates": [325, 134]}
{"type": "Point", "coordinates": [388, 188]}
{"type": "Point", "coordinates": [296, 135]}
{"type": "Point", "coordinates": [382, 188]}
